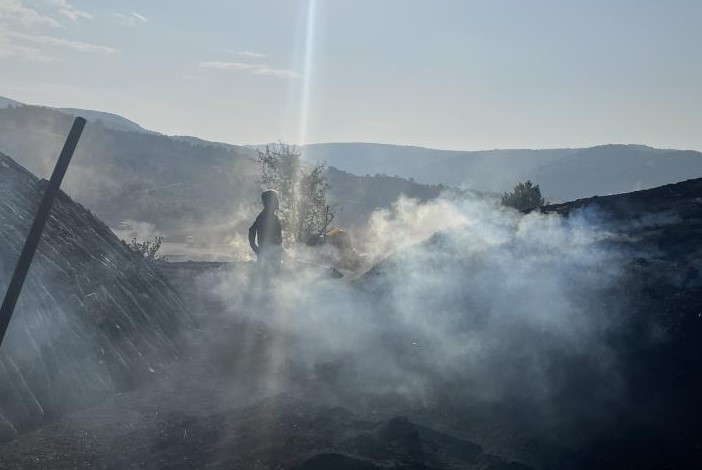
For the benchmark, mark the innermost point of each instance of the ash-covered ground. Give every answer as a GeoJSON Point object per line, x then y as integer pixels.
{"type": "Point", "coordinates": [564, 339]}
{"type": "Point", "coordinates": [231, 403]}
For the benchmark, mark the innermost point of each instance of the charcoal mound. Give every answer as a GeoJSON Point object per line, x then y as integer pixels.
{"type": "Point", "coordinates": [93, 317]}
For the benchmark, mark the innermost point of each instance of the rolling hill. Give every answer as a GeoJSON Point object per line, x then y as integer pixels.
{"type": "Point", "coordinates": [182, 187]}
{"type": "Point", "coordinates": [125, 175]}
{"type": "Point", "coordinates": [563, 174]}
{"type": "Point", "coordinates": [185, 186]}
{"type": "Point", "coordinates": [109, 120]}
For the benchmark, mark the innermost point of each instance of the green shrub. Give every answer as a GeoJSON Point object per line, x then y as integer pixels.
{"type": "Point", "coordinates": [525, 196]}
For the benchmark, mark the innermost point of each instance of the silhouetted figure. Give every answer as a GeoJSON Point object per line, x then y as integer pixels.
{"type": "Point", "coordinates": [266, 235]}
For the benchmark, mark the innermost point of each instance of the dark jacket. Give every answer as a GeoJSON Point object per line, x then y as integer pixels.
{"type": "Point", "coordinates": [266, 230]}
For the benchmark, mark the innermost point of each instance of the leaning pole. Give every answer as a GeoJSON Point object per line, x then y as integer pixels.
{"type": "Point", "coordinates": [30, 245]}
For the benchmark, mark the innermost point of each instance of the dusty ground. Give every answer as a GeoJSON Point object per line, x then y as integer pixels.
{"type": "Point", "coordinates": [223, 405]}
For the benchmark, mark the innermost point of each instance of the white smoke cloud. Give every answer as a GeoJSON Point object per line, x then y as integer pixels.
{"type": "Point", "coordinates": [407, 222]}
{"type": "Point", "coordinates": [485, 310]}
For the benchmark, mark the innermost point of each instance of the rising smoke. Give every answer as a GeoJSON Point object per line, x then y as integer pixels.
{"type": "Point", "coordinates": [496, 309]}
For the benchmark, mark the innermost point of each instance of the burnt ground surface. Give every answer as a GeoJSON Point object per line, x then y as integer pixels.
{"type": "Point", "coordinates": [219, 408]}
{"type": "Point", "coordinates": [93, 317]}
{"type": "Point", "coordinates": [219, 411]}
{"type": "Point", "coordinates": [660, 343]}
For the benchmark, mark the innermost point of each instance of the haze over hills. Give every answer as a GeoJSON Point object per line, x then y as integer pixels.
{"type": "Point", "coordinates": [492, 169]}
{"type": "Point", "coordinates": [110, 120]}
{"type": "Point", "coordinates": [182, 187]}
{"type": "Point", "coordinates": [358, 196]}
{"type": "Point", "coordinates": [144, 177]}
{"type": "Point", "coordinates": [113, 121]}
{"type": "Point", "coordinates": [563, 174]}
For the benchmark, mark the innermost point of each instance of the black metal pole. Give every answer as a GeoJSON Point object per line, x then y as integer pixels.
{"type": "Point", "coordinates": [30, 245]}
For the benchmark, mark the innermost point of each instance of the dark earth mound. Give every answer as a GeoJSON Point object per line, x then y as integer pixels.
{"type": "Point", "coordinates": [656, 307]}
{"type": "Point", "coordinates": [660, 344]}
{"type": "Point", "coordinates": [93, 318]}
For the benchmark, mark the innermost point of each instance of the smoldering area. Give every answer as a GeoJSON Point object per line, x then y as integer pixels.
{"type": "Point", "coordinates": [473, 319]}
{"type": "Point", "coordinates": [469, 307]}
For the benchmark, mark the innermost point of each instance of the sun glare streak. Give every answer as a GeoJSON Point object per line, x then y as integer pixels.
{"type": "Point", "coordinates": [307, 72]}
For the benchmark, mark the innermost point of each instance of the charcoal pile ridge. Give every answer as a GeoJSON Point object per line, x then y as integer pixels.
{"type": "Point", "coordinates": [93, 318]}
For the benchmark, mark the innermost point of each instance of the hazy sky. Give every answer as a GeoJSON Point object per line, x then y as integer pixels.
{"type": "Point", "coordinates": [462, 74]}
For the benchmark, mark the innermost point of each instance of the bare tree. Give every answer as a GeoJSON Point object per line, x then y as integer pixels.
{"type": "Point", "coordinates": [304, 210]}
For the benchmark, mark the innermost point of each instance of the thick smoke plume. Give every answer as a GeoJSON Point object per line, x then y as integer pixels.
{"type": "Point", "coordinates": [494, 309]}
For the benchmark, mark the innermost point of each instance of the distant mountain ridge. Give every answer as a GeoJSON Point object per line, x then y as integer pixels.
{"type": "Point", "coordinates": [140, 176]}
{"type": "Point", "coordinates": [426, 164]}
{"type": "Point", "coordinates": [7, 102]}
{"type": "Point", "coordinates": [110, 120]}
{"type": "Point", "coordinates": [563, 174]}
{"type": "Point", "coordinates": [152, 163]}
{"type": "Point", "coordinates": [182, 187]}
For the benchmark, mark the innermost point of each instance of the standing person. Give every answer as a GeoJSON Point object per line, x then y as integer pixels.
{"type": "Point", "coordinates": [266, 235]}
